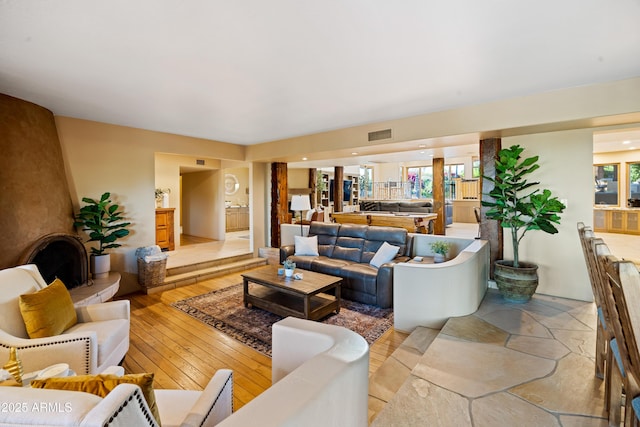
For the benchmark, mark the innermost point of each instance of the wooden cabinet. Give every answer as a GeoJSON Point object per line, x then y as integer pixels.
{"type": "Point", "coordinates": [463, 211]}
{"type": "Point", "coordinates": [164, 228]}
{"type": "Point", "coordinates": [626, 221]}
{"type": "Point", "coordinates": [237, 218]}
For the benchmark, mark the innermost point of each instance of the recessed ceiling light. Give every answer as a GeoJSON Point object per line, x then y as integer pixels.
{"type": "Point", "coordinates": [354, 153]}
{"type": "Point", "coordinates": [304, 158]}
{"type": "Point", "coordinates": [626, 142]}
{"type": "Point", "coordinates": [422, 152]}
{"type": "Point", "coordinates": [430, 155]}
{"type": "Point", "coordinates": [422, 146]}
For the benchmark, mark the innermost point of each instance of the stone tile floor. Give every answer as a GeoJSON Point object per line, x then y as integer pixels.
{"type": "Point", "coordinates": [505, 365]}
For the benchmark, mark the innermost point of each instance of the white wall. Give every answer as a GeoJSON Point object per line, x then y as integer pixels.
{"type": "Point", "coordinates": [566, 170]}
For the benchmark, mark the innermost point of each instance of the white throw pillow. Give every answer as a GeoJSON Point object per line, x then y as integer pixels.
{"type": "Point", "coordinates": [306, 245]}
{"type": "Point", "coordinates": [385, 253]}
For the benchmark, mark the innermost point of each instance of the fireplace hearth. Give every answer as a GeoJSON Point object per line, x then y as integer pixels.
{"type": "Point", "coordinates": [61, 256]}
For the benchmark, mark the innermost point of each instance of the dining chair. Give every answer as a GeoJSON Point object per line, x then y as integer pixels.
{"type": "Point", "coordinates": [624, 279]}
{"type": "Point", "coordinates": [621, 385]}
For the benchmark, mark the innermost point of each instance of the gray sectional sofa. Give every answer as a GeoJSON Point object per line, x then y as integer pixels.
{"type": "Point", "coordinates": [345, 250]}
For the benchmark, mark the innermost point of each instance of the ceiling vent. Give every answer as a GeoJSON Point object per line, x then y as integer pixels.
{"type": "Point", "coordinates": [199, 162]}
{"type": "Point", "coordinates": [379, 135]}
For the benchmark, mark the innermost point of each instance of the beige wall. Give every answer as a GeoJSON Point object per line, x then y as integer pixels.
{"type": "Point", "coordinates": [565, 169]}
{"type": "Point", "coordinates": [203, 203]}
{"type": "Point", "coordinates": [100, 157]}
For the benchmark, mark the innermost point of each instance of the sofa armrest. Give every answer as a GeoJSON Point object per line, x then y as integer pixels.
{"type": "Point", "coordinates": [286, 252]}
{"type": "Point", "coordinates": [215, 403]}
{"type": "Point", "coordinates": [78, 349]}
{"type": "Point", "coordinates": [124, 406]}
{"type": "Point", "coordinates": [105, 311]}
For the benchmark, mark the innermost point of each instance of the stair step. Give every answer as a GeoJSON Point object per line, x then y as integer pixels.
{"type": "Point", "coordinates": [207, 270]}
{"type": "Point", "coordinates": [390, 376]}
{"type": "Point", "coordinates": [182, 269]}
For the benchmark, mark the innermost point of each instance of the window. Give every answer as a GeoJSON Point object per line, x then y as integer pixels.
{"type": "Point", "coordinates": [475, 168]}
{"type": "Point", "coordinates": [606, 184]}
{"type": "Point", "coordinates": [634, 180]}
{"type": "Point", "coordinates": [366, 182]}
{"type": "Point", "coordinates": [420, 182]}
{"type": "Point", "coordinates": [452, 172]}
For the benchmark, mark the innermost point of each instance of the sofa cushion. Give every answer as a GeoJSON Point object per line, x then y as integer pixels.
{"type": "Point", "coordinates": [48, 311]}
{"type": "Point", "coordinates": [384, 254]}
{"type": "Point", "coordinates": [376, 236]}
{"type": "Point", "coordinates": [306, 245]}
{"type": "Point", "coordinates": [389, 206]}
{"type": "Point", "coordinates": [327, 236]}
{"type": "Point", "coordinates": [16, 282]}
{"type": "Point", "coordinates": [110, 334]}
{"type": "Point", "coordinates": [416, 209]}
{"type": "Point", "coordinates": [101, 385]}
{"type": "Point", "coordinates": [329, 266]}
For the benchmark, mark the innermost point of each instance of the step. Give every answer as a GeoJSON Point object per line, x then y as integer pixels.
{"type": "Point", "coordinates": [387, 380]}
{"type": "Point", "coordinates": [188, 275]}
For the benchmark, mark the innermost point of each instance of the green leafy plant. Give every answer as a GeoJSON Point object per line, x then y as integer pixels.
{"type": "Point", "coordinates": [289, 265]}
{"type": "Point", "coordinates": [516, 205]}
{"type": "Point", "coordinates": [440, 247]}
{"type": "Point", "coordinates": [102, 221]}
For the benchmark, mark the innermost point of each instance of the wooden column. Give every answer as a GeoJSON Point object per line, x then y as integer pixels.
{"type": "Point", "coordinates": [489, 229]}
{"type": "Point", "coordinates": [338, 189]}
{"type": "Point", "coordinates": [279, 201]}
{"type": "Point", "coordinates": [313, 186]}
{"type": "Point", "coordinates": [438, 196]}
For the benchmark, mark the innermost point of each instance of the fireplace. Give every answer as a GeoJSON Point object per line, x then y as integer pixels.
{"type": "Point", "coordinates": [61, 256]}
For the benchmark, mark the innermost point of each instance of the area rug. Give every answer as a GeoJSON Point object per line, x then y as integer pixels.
{"type": "Point", "coordinates": [223, 309]}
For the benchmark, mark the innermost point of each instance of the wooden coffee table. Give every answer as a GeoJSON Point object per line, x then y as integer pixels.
{"type": "Point", "coordinates": [286, 296]}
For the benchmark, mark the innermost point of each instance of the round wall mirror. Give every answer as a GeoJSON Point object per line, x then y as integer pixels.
{"type": "Point", "coordinates": [231, 184]}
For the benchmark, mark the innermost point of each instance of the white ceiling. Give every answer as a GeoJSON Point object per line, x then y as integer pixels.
{"type": "Point", "coordinates": [251, 71]}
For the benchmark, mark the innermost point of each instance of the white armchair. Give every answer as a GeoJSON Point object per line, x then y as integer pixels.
{"type": "Point", "coordinates": [99, 339]}
{"type": "Point", "coordinates": [124, 406]}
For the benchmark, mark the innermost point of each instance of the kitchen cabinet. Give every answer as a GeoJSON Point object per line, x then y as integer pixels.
{"type": "Point", "coordinates": [237, 218]}
{"type": "Point", "coordinates": [618, 220]}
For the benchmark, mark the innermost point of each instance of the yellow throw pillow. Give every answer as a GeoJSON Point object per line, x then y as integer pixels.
{"type": "Point", "coordinates": [49, 311]}
{"type": "Point", "coordinates": [101, 385]}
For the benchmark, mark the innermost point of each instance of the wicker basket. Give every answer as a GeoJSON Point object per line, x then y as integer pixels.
{"type": "Point", "coordinates": [151, 274]}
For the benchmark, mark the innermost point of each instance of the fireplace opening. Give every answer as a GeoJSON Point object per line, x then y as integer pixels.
{"type": "Point", "coordinates": [61, 256]}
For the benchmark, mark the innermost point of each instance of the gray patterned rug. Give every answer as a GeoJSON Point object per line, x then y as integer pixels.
{"type": "Point", "coordinates": [224, 310]}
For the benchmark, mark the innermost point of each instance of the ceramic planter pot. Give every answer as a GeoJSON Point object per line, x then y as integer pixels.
{"type": "Point", "coordinates": [100, 266]}
{"type": "Point", "coordinates": [288, 272]}
{"type": "Point", "coordinates": [516, 284]}
{"type": "Point", "coordinates": [438, 258]}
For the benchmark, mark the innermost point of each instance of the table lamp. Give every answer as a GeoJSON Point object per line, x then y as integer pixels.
{"type": "Point", "coordinates": [300, 203]}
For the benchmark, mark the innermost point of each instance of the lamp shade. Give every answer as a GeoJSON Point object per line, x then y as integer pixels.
{"type": "Point", "coordinates": [300, 203]}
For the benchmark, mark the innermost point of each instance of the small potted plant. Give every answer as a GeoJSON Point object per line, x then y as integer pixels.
{"type": "Point", "coordinates": [289, 266]}
{"type": "Point", "coordinates": [162, 197]}
{"type": "Point", "coordinates": [440, 249]}
{"type": "Point", "coordinates": [104, 224]}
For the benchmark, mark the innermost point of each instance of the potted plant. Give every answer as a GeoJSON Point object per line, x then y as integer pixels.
{"type": "Point", "coordinates": [162, 197]}
{"type": "Point", "coordinates": [289, 266]}
{"type": "Point", "coordinates": [440, 249]}
{"type": "Point", "coordinates": [104, 224]}
{"type": "Point", "coordinates": [516, 205]}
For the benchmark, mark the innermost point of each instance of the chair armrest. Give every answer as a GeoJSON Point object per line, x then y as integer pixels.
{"type": "Point", "coordinates": [286, 252]}
{"type": "Point", "coordinates": [215, 403]}
{"type": "Point", "coordinates": [105, 311]}
{"type": "Point", "coordinates": [78, 349]}
{"type": "Point", "coordinates": [124, 406]}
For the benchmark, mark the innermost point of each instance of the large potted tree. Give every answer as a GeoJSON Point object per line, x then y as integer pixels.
{"type": "Point", "coordinates": [104, 224]}
{"type": "Point", "coordinates": [520, 207]}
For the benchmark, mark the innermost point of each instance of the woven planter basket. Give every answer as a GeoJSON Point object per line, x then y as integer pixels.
{"type": "Point", "coordinates": [151, 274]}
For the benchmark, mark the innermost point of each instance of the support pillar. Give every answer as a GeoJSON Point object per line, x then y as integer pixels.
{"type": "Point", "coordinates": [338, 188]}
{"type": "Point", "coordinates": [489, 229]}
{"type": "Point", "coordinates": [438, 196]}
{"type": "Point", "coordinates": [279, 201]}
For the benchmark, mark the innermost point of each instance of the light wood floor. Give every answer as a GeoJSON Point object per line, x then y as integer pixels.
{"type": "Point", "coordinates": [184, 353]}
